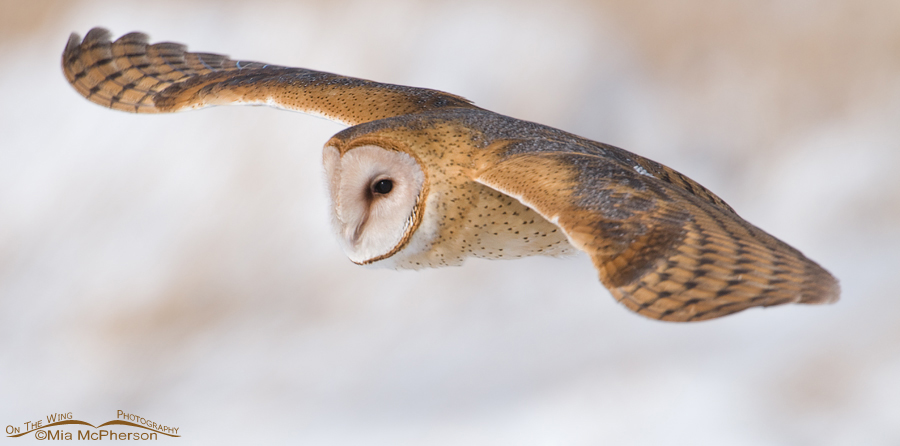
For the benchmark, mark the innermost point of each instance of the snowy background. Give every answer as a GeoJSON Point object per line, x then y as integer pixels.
{"type": "Point", "coordinates": [182, 267]}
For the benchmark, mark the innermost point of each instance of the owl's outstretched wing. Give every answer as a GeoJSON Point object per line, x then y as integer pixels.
{"type": "Point", "coordinates": [663, 245]}
{"type": "Point", "coordinates": [131, 75]}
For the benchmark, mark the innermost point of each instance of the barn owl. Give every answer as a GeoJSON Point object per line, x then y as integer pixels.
{"type": "Point", "coordinates": [423, 178]}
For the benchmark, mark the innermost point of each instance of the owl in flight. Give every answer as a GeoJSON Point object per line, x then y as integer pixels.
{"type": "Point", "coordinates": [423, 178]}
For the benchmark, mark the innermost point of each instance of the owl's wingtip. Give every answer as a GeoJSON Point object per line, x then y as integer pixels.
{"type": "Point", "coordinates": [75, 43]}
{"type": "Point", "coordinates": [71, 47]}
{"type": "Point", "coordinates": [97, 34]}
{"type": "Point", "coordinates": [74, 39]}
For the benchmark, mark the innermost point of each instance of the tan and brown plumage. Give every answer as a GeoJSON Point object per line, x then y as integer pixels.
{"type": "Point", "coordinates": [133, 76]}
{"type": "Point", "coordinates": [424, 178]}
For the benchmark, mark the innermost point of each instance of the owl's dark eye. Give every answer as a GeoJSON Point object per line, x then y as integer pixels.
{"type": "Point", "coordinates": [383, 186]}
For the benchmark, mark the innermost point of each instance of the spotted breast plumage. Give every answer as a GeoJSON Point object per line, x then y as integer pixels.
{"type": "Point", "coordinates": [423, 178]}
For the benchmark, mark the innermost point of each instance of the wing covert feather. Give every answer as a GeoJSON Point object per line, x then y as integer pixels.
{"type": "Point", "coordinates": [131, 75]}
{"type": "Point", "coordinates": [662, 250]}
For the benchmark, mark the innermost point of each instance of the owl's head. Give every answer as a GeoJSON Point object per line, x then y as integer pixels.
{"type": "Point", "coordinates": [377, 199]}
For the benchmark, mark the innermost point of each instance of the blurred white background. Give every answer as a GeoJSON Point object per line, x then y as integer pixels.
{"type": "Point", "coordinates": [182, 267]}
